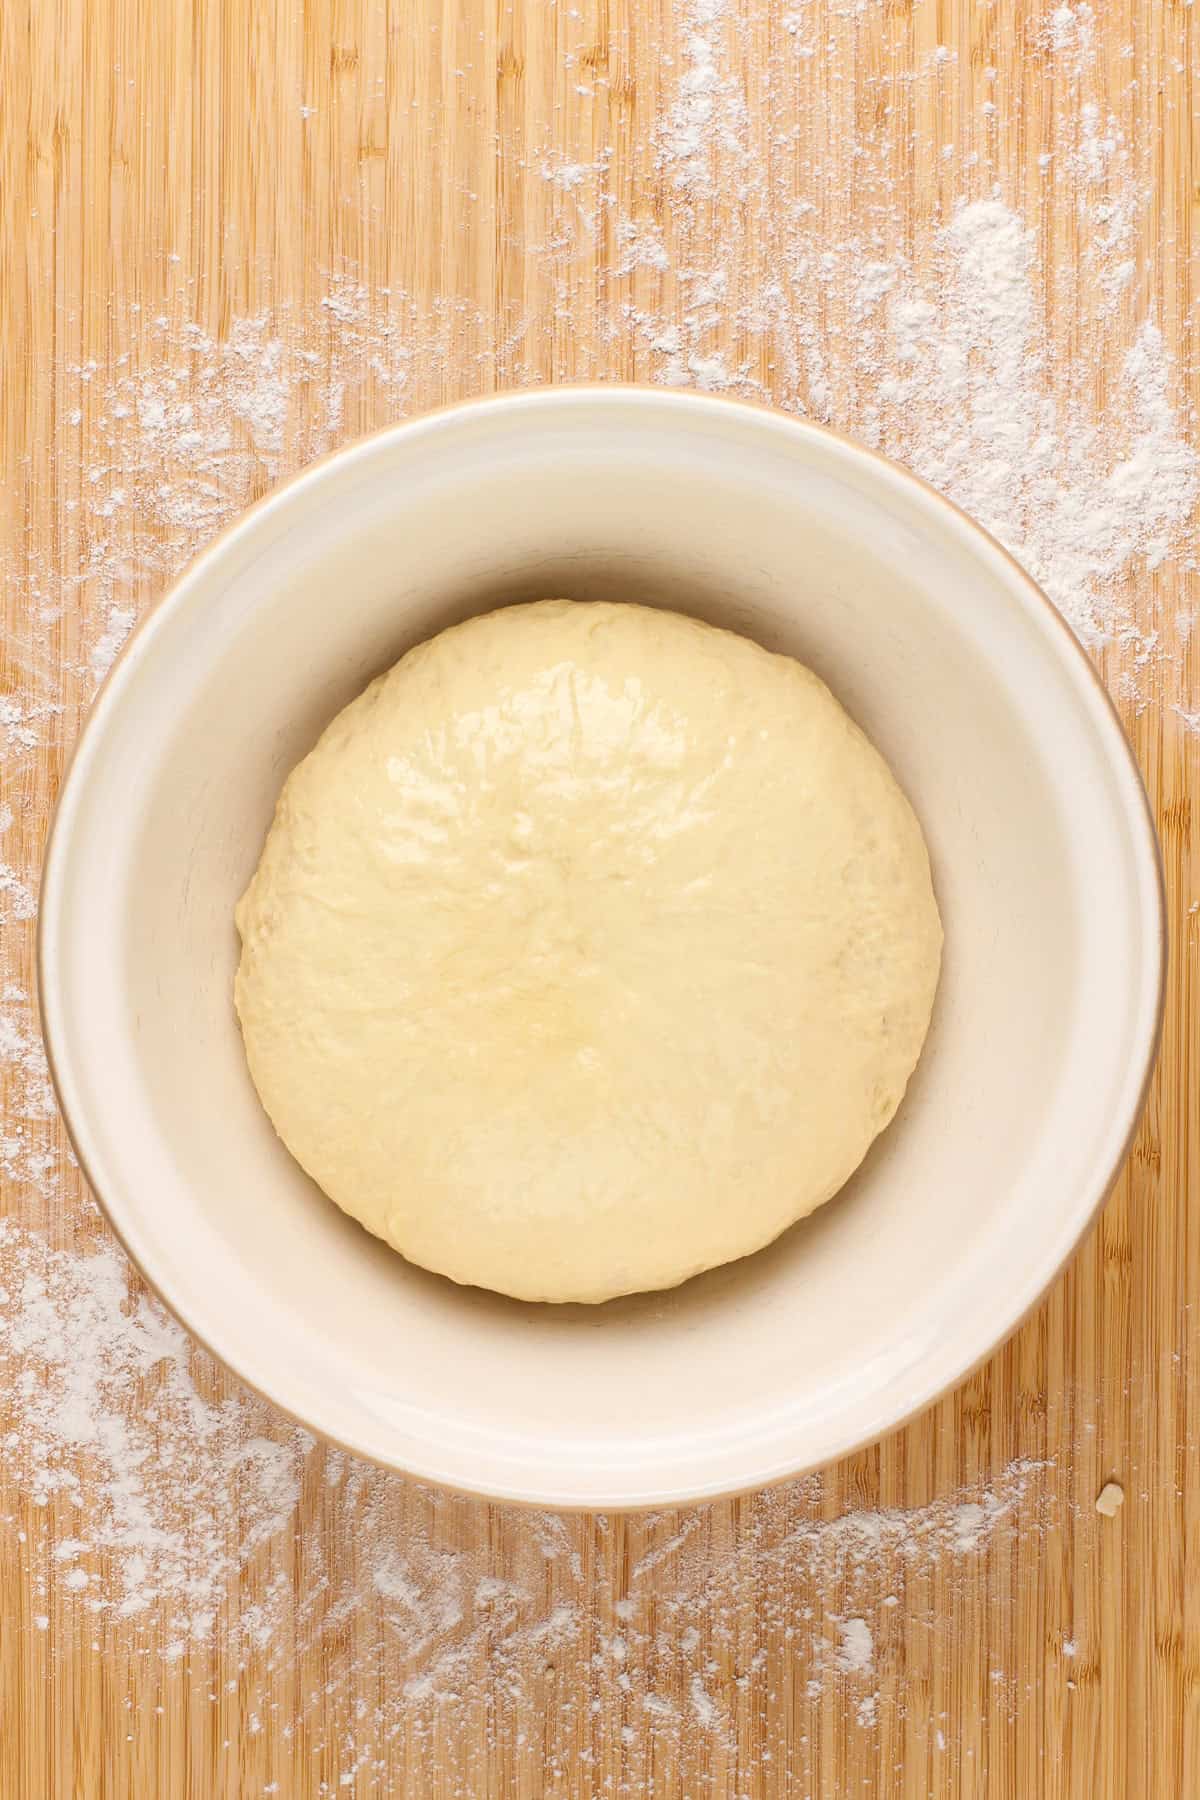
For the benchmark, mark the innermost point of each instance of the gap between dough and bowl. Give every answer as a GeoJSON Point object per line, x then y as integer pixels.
{"type": "Point", "coordinates": [1044, 866]}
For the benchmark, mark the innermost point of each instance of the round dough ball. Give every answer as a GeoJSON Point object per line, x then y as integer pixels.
{"type": "Point", "coordinates": [590, 948]}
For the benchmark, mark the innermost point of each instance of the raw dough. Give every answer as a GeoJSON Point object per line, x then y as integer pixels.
{"type": "Point", "coordinates": [590, 947]}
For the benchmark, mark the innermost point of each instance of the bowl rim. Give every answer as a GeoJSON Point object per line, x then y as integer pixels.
{"type": "Point", "coordinates": [55, 1034]}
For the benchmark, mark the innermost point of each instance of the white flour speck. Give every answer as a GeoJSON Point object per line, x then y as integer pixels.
{"type": "Point", "coordinates": [703, 1705]}
{"type": "Point", "coordinates": [857, 1649]}
{"type": "Point", "coordinates": [118, 623]}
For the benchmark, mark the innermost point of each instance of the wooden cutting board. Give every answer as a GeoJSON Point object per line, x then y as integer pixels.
{"type": "Point", "coordinates": [413, 202]}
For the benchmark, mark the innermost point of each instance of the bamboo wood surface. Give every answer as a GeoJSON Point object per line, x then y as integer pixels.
{"type": "Point", "coordinates": [209, 160]}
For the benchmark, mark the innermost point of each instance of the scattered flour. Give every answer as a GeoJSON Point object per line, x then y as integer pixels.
{"type": "Point", "coordinates": [159, 1507]}
{"type": "Point", "coordinates": [928, 341]}
{"type": "Point", "coordinates": [707, 122]}
{"type": "Point", "coordinates": [152, 1487]}
{"type": "Point", "coordinates": [144, 1482]}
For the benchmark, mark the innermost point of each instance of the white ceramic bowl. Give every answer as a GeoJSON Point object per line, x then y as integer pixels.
{"type": "Point", "coordinates": [1044, 859]}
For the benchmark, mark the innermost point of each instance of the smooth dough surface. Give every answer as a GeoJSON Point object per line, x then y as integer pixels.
{"type": "Point", "coordinates": [590, 948]}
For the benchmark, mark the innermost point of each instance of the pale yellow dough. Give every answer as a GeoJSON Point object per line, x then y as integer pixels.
{"type": "Point", "coordinates": [590, 947]}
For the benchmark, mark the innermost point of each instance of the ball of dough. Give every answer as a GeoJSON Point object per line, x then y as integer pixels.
{"type": "Point", "coordinates": [590, 948]}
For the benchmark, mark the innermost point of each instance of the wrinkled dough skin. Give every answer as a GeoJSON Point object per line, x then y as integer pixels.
{"type": "Point", "coordinates": [589, 948]}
